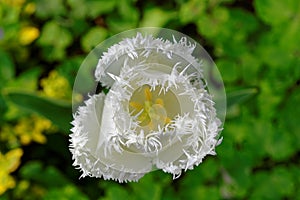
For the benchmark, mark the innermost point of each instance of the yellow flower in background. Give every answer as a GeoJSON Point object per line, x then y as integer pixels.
{"type": "Point", "coordinates": [9, 163]}
{"type": "Point", "coordinates": [8, 135]}
{"type": "Point", "coordinates": [31, 129]}
{"type": "Point", "coordinates": [30, 8]}
{"type": "Point", "coordinates": [56, 86]}
{"type": "Point", "coordinates": [28, 34]}
{"type": "Point", "coordinates": [15, 3]}
{"type": "Point", "coordinates": [27, 130]}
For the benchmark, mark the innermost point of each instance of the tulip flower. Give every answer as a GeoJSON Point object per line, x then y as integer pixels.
{"type": "Point", "coordinates": [157, 113]}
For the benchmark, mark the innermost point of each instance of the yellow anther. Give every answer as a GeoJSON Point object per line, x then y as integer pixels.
{"type": "Point", "coordinates": [30, 8]}
{"type": "Point", "coordinates": [151, 125]}
{"type": "Point", "coordinates": [167, 120]}
{"type": "Point", "coordinates": [148, 94]}
{"type": "Point", "coordinates": [150, 108]}
{"type": "Point", "coordinates": [136, 105]}
{"type": "Point", "coordinates": [144, 118]}
{"type": "Point", "coordinates": [159, 101]}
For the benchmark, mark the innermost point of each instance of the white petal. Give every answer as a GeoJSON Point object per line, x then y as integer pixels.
{"type": "Point", "coordinates": [125, 166]}
{"type": "Point", "coordinates": [158, 51]}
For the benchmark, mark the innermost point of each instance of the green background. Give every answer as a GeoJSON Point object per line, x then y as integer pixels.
{"type": "Point", "coordinates": [255, 45]}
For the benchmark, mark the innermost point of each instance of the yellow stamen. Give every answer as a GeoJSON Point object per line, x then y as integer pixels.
{"type": "Point", "coordinates": [144, 118]}
{"type": "Point", "coordinates": [151, 125]}
{"type": "Point", "coordinates": [148, 94]}
{"type": "Point", "coordinates": [150, 109]}
{"type": "Point", "coordinates": [167, 120]}
{"type": "Point", "coordinates": [159, 101]}
{"type": "Point", "coordinates": [136, 105]}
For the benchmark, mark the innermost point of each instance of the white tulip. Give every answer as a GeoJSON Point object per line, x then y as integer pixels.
{"type": "Point", "coordinates": [157, 114]}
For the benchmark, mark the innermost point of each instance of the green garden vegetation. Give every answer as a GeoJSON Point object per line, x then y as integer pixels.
{"type": "Point", "coordinates": [255, 45]}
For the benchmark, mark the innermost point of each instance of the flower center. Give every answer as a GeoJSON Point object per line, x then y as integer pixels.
{"type": "Point", "coordinates": [152, 108]}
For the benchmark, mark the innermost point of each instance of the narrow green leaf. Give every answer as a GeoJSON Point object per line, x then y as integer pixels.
{"type": "Point", "coordinates": [7, 69]}
{"type": "Point", "coordinates": [240, 96]}
{"type": "Point", "coordinates": [3, 108]}
{"type": "Point", "coordinates": [60, 113]}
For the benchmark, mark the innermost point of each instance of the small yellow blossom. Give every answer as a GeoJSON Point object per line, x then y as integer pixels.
{"type": "Point", "coordinates": [28, 34]}
{"type": "Point", "coordinates": [31, 129]}
{"type": "Point", "coordinates": [56, 86]}
{"type": "Point", "coordinates": [25, 131]}
{"type": "Point", "coordinates": [30, 8]}
{"type": "Point", "coordinates": [7, 135]}
{"type": "Point", "coordinates": [9, 163]}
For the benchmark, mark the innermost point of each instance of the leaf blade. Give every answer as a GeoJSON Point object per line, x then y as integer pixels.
{"type": "Point", "coordinates": [240, 96]}
{"type": "Point", "coordinates": [59, 112]}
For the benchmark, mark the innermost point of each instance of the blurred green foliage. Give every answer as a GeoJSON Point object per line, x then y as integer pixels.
{"type": "Point", "coordinates": [255, 44]}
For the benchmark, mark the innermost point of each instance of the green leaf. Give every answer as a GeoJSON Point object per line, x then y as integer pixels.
{"type": "Point", "coordinates": [289, 120]}
{"type": "Point", "coordinates": [54, 40]}
{"type": "Point", "coordinates": [3, 108]}
{"type": "Point", "coordinates": [240, 96]}
{"type": "Point", "coordinates": [66, 192]}
{"type": "Point", "coordinates": [234, 31]}
{"type": "Point", "coordinates": [55, 35]}
{"type": "Point", "coordinates": [59, 112]}
{"type": "Point", "coordinates": [78, 8]}
{"type": "Point", "coordinates": [276, 12]}
{"type": "Point", "coordinates": [267, 94]}
{"type": "Point", "coordinates": [146, 188]}
{"type": "Point", "coordinates": [96, 8]}
{"type": "Point", "coordinates": [250, 67]}
{"type": "Point", "coordinates": [7, 70]}
{"type": "Point", "coordinates": [45, 9]}
{"type": "Point", "coordinates": [69, 68]}
{"type": "Point", "coordinates": [208, 192]}
{"type": "Point", "coordinates": [279, 144]}
{"type": "Point", "coordinates": [228, 69]}
{"type": "Point", "coordinates": [126, 17]}
{"type": "Point", "coordinates": [273, 56]}
{"type": "Point", "coordinates": [78, 27]}
{"type": "Point", "coordinates": [275, 185]}
{"type": "Point", "coordinates": [156, 17]}
{"type": "Point", "coordinates": [27, 80]}
{"type": "Point", "coordinates": [116, 193]}
{"type": "Point", "coordinates": [211, 25]}
{"type": "Point", "coordinates": [191, 11]}
{"type": "Point", "coordinates": [290, 36]}
{"type": "Point", "coordinates": [47, 176]}
{"type": "Point", "coordinates": [94, 37]}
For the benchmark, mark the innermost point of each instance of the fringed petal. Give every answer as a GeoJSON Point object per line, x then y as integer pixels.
{"type": "Point", "coordinates": [89, 144]}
